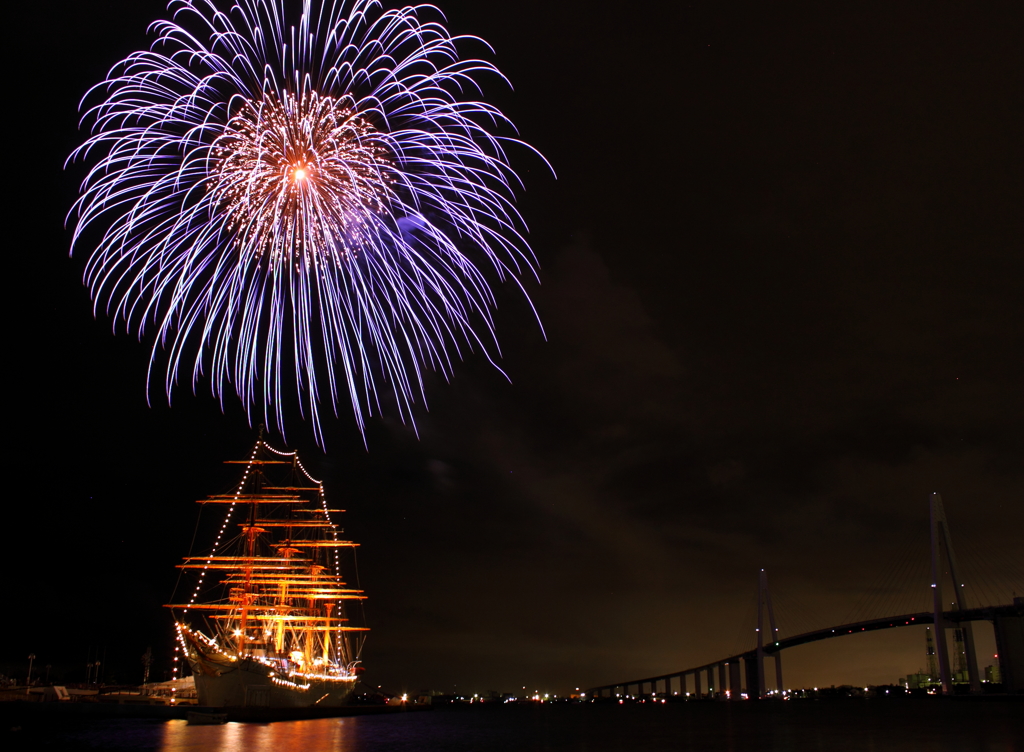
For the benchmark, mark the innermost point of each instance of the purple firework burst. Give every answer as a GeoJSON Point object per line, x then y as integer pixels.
{"type": "Point", "coordinates": [312, 195]}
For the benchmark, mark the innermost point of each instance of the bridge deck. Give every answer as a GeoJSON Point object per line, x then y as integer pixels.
{"type": "Point", "coordinates": [871, 625]}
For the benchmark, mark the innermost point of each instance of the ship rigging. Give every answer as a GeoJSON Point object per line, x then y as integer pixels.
{"type": "Point", "coordinates": [266, 624]}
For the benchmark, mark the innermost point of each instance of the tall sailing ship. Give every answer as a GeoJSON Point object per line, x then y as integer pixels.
{"type": "Point", "coordinates": [266, 625]}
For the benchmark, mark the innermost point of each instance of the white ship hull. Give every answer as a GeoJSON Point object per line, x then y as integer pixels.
{"type": "Point", "coordinates": [248, 683]}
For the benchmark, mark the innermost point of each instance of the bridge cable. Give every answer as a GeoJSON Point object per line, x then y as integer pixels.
{"type": "Point", "coordinates": [868, 603]}
{"type": "Point", "coordinates": [794, 614]}
{"type": "Point", "coordinates": [911, 587]}
{"type": "Point", "coordinates": [746, 637]}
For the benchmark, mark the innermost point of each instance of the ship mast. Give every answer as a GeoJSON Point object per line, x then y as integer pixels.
{"type": "Point", "coordinates": [250, 546]}
{"type": "Point", "coordinates": [284, 599]}
{"type": "Point", "coordinates": [272, 617]}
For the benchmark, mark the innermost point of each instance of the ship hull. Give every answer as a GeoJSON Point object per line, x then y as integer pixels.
{"type": "Point", "coordinates": [247, 683]}
{"type": "Point", "coordinates": [251, 687]}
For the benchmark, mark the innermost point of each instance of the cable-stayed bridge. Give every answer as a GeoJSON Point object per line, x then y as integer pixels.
{"type": "Point", "coordinates": [743, 675]}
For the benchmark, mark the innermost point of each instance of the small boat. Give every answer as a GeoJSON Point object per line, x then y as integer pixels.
{"type": "Point", "coordinates": [263, 623]}
{"type": "Point", "coordinates": [206, 719]}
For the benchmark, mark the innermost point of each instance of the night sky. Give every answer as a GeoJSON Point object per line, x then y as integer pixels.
{"type": "Point", "coordinates": [781, 271]}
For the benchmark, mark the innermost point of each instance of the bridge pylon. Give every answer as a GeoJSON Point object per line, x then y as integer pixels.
{"type": "Point", "coordinates": [942, 543]}
{"type": "Point", "coordinates": [764, 601]}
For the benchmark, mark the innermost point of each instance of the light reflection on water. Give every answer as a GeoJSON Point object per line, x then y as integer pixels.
{"type": "Point", "coordinates": [302, 736]}
{"type": "Point", "coordinates": [853, 726]}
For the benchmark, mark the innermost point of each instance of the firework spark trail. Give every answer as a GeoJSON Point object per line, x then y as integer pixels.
{"type": "Point", "coordinates": [273, 193]}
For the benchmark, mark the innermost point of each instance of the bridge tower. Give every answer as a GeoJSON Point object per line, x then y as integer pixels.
{"type": "Point", "coordinates": [941, 543]}
{"type": "Point", "coordinates": [764, 599]}
{"type": "Point", "coordinates": [929, 649]}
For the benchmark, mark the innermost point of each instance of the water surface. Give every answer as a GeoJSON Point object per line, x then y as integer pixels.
{"type": "Point", "coordinates": [876, 726]}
